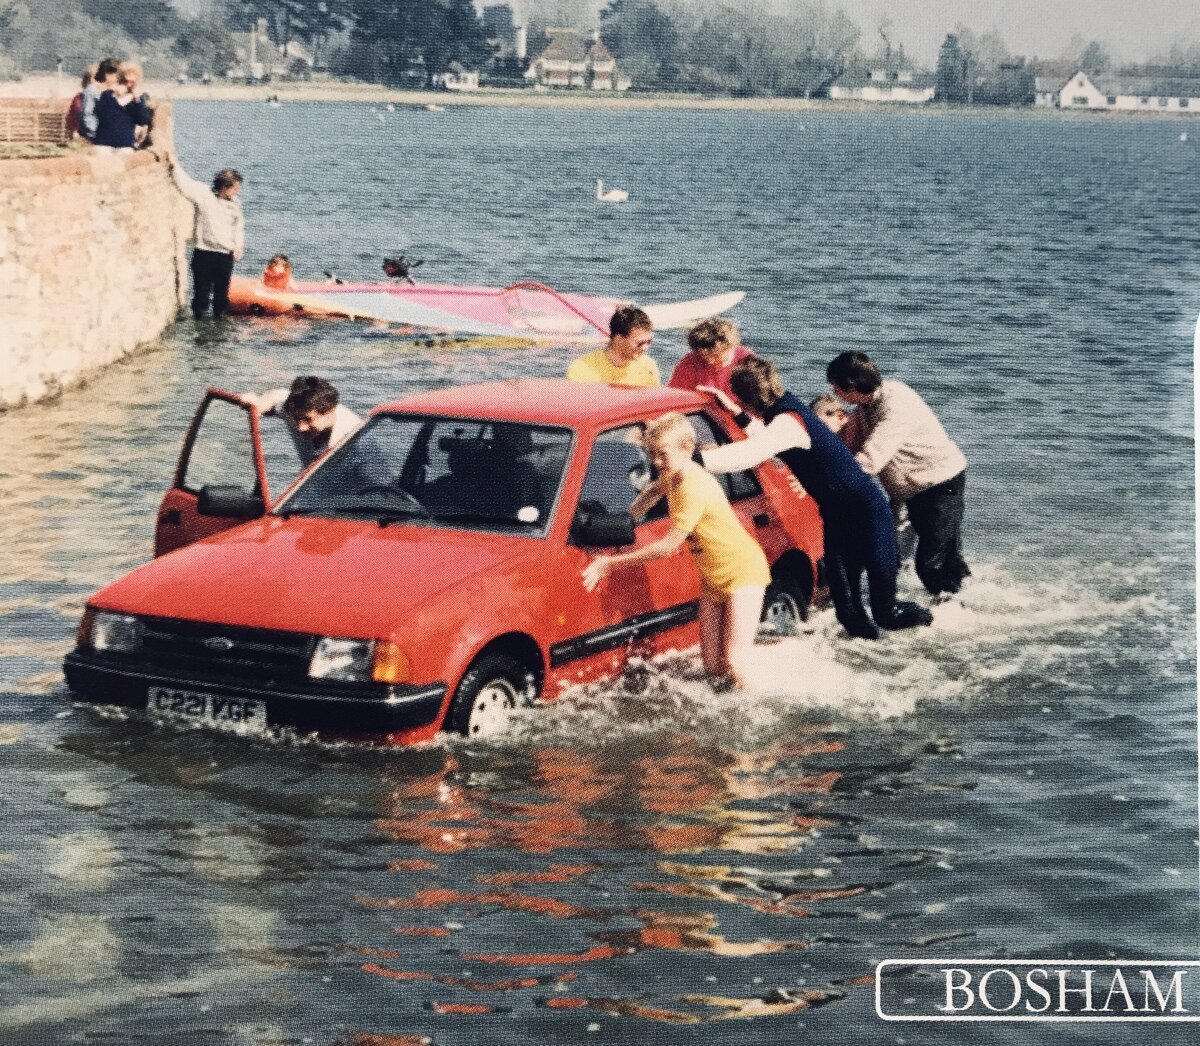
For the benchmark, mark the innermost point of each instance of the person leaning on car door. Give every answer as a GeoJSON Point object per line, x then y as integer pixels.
{"type": "Point", "coordinates": [315, 419]}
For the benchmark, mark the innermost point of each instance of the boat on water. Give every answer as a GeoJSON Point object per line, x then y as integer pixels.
{"type": "Point", "coordinates": [524, 311]}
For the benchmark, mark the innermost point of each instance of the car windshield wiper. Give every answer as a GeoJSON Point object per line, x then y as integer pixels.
{"type": "Point", "coordinates": [405, 506]}
{"type": "Point", "coordinates": [408, 504]}
{"type": "Point", "coordinates": [467, 516]}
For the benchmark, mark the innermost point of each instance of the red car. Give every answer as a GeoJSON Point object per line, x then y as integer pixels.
{"type": "Point", "coordinates": [425, 574]}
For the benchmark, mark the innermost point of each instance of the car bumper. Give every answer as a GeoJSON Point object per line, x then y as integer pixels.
{"type": "Point", "coordinates": [383, 709]}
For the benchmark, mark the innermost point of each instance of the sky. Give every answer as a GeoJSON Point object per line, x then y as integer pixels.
{"type": "Point", "coordinates": [1132, 30]}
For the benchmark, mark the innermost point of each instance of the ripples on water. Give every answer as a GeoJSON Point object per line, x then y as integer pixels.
{"type": "Point", "coordinates": [637, 859]}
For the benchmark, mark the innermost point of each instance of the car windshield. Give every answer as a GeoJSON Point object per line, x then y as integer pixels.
{"type": "Point", "coordinates": [484, 475]}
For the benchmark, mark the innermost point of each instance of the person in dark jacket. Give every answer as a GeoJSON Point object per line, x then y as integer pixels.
{"type": "Point", "coordinates": [120, 110]}
{"type": "Point", "coordinates": [860, 533]}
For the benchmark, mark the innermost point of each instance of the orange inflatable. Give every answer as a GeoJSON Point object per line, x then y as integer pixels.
{"type": "Point", "coordinates": [252, 297]}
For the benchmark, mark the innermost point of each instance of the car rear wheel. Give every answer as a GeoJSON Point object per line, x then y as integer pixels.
{"type": "Point", "coordinates": [785, 608]}
{"type": "Point", "coordinates": [494, 687]}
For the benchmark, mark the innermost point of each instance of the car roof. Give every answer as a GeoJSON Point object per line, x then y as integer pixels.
{"type": "Point", "coordinates": [548, 401]}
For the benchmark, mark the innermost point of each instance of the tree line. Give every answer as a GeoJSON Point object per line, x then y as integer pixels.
{"type": "Point", "coordinates": [712, 46]}
{"type": "Point", "coordinates": [709, 46]}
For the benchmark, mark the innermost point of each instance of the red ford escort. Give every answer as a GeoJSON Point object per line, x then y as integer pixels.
{"type": "Point", "coordinates": [425, 574]}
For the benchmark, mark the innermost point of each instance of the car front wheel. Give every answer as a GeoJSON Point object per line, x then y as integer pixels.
{"type": "Point", "coordinates": [494, 687]}
{"type": "Point", "coordinates": [785, 608]}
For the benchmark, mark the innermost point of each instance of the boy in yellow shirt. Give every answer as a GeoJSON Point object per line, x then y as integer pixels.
{"type": "Point", "coordinates": [623, 361]}
{"type": "Point", "coordinates": [733, 569]}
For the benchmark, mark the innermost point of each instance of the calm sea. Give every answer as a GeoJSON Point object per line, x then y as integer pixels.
{"type": "Point", "coordinates": [1020, 780]}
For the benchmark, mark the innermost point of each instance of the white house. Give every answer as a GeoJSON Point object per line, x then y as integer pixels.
{"type": "Point", "coordinates": [880, 85]}
{"type": "Point", "coordinates": [1126, 93]}
{"type": "Point", "coordinates": [1049, 78]}
{"type": "Point", "coordinates": [257, 57]}
{"type": "Point", "coordinates": [571, 61]}
{"type": "Point", "coordinates": [1170, 94]}
{"type": "Point", "coordinates": [456, 78]}
{"type": "Point", "coordinates": [1080, 93]}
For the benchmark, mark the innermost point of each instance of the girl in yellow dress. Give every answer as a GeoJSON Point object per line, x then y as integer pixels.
{"type": "Point", "coordinates": [733, 569]}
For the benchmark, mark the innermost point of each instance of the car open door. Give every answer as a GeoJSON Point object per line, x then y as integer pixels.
{"type": "Point", "coordinates": [221, 478]}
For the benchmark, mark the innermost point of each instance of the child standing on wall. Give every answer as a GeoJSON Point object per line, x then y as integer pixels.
{"type": "Point", "coordinates": [733, 569]}
{"type": "Point", "coordinates": [219, 236]}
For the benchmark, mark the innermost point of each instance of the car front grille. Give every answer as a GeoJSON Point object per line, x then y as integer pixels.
{"type": "Point", "coordinates": [196, 648]}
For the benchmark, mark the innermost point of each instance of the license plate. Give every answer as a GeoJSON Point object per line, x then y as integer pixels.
{"type": "Point", "coordinates": [229, 713]}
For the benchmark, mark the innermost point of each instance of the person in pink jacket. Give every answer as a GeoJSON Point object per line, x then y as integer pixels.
{"type": "Point", "coordinates": [715, 346]}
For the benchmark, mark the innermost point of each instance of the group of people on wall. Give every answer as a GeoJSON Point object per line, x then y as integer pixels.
{"type": "Point", "coordinates": [111, 110]}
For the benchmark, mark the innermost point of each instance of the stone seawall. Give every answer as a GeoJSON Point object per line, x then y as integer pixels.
{"type": "Point", "coordinates": [92, 265]}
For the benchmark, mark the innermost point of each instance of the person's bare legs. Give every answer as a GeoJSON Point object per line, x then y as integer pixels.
{"type": "Point", "coordinates": [742, 613]}
{"type": "Point", "coordinates": [712, 637]}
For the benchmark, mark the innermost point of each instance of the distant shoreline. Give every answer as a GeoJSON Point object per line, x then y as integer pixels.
{"type": "Point", "coordinates": [49, 86]}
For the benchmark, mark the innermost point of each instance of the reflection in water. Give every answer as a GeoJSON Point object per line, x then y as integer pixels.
{"type": "Point", "coordinates": [75, 948]}
{"type": "Point", "coordinates": [679, 796]}
{"type": "Point", "coordinates": [367, 1039]}
{"type": "Point", "coordinates": [778, 1002]}
{"type": "Point", "coordinates": [85, 859]}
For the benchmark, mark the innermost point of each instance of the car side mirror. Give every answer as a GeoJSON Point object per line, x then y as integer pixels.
{"type": "Point", "coordinates": [229, 502]}
{"type": "Point", "coordinates": [602, 529]}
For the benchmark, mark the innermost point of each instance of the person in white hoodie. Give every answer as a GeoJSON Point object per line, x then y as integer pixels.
{"type": "Point", "coordinates": [894, 435]}
{"type": "Point", "coordinates": [219, 236]}
{"type": "Point", "coordinates": [316, 420]}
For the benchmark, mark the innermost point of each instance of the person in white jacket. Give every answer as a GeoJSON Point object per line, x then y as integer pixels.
{"type": "Point", "coordinates": [316, 420]}
{"type": "Point", "coordinates": [896, 436]}
{"type": "Point", "coordinates": [219, 235]}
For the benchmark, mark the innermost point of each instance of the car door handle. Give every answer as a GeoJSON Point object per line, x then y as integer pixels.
{"type": "Point", "coordinates": [172, 516]}
{"type": "Point", "coordinates": [762, 519]}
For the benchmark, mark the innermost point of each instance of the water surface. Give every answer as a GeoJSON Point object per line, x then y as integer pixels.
{"type": "Point", "coordinates": [1019, 780]}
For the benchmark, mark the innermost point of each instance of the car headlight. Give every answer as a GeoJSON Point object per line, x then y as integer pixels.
{"type": "Point", "coordinates": [358, 661]}
{"type": "Point", "coordinates": [116, 633]}
{"type": "Point", "coordinates": [346, 659]}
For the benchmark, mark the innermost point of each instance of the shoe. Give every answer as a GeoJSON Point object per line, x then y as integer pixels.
{"type": "Point", "coordinates": [863, 631]}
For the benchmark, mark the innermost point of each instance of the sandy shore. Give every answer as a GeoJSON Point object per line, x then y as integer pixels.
{"type": "Point", "coordinates": [50, 86]}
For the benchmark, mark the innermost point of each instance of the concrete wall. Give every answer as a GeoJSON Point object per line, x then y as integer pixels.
{"type": "Point", "coordinates": [92, 263]}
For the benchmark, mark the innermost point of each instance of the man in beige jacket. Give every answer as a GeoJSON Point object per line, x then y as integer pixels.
{"type": "Point", "coordinates": [894, 435]}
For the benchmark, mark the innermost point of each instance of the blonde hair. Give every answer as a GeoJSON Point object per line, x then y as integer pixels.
{"type": "Point", "coordinates": [707, 334]}
{"type": "Point", "coordinates": [126, 68]}
{"type": "Point", "coordinates": [826, 402]}
{"type": "Point", "coordinates": [670, 429]}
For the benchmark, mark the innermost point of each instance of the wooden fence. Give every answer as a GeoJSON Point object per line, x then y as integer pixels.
{"type": "Point", "coordinates": [41, 121]}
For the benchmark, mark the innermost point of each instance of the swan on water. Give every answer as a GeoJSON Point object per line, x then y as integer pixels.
{"type": "Point", "coordinates": [610, 195]}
